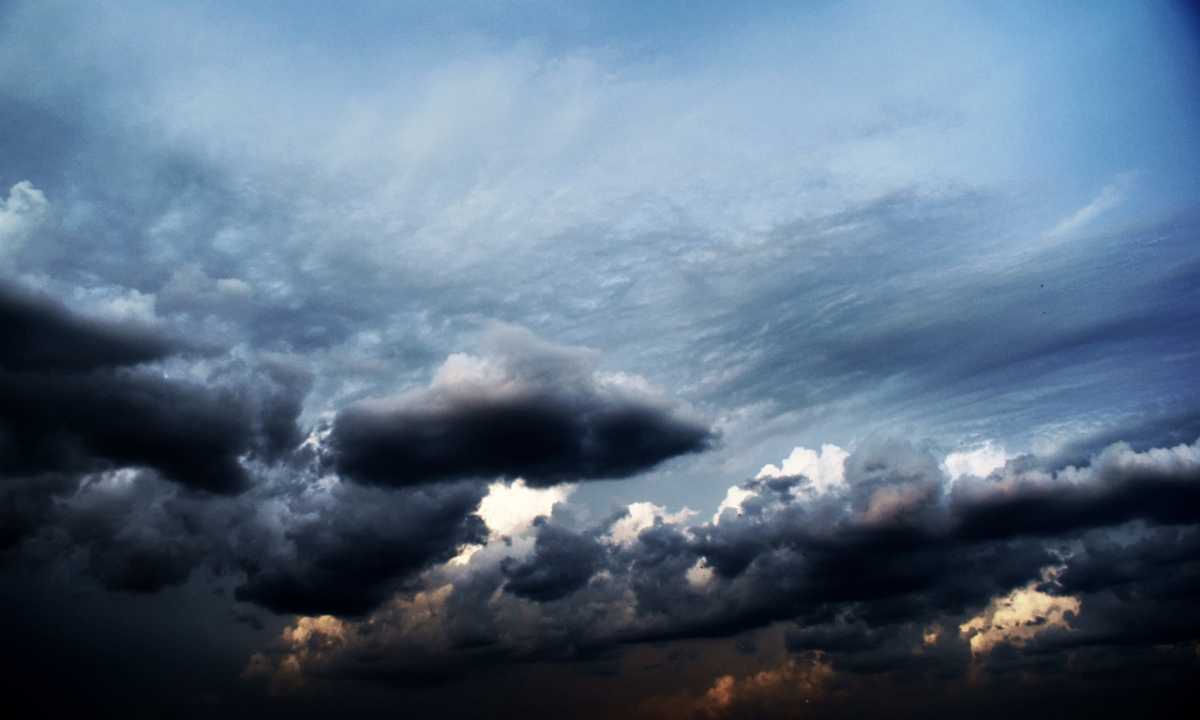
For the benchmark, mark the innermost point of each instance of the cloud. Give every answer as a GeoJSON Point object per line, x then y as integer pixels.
{"type": "Point", "coordinates": [97, 414]}
{"type": "Point", "coordinates": [81, 395]}
{"type": "Point", "coordinates": [980, 461]}
{"type": "Point", "coordinates": [804, 471]}
{"type": "Point", "coordinates": [865, 572]}
{"type": "Point", "coordinates": [1110, 197]}
{"type": "Point", "coordinates": [510, 507]}
{"type": "Point", "coordinates": [135, 536]}
{"type": "Point", "coordinates": [348, 550]}
{"type": "Point", "coordinates": [734, 497]}
{"type": "Point", "coordinates": [1158, 486]}
{"type": "Point", "coordinates": [641, 515]}
{"type": "Point", "coordinates": [20, 215]}
{"type": "Point", "coordinates": [527, 409]}
{"type": "Point", "coordinates": [291, 543]}
{"type": "Point", "coordinates": [41, 335]}
{"type": "Point", "coordinates": [824, 470]}
{"type": "Point", "coordinates": [190, 433]}
{"type": "Point", "coordinates": [561, 563]}
{"type": "Point", "coordinates": [775, 692]}
{"type": "Point", "coordinates": [1019, 616]}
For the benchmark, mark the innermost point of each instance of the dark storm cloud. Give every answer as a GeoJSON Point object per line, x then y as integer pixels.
{"type": "Point", "coordinates": [893, 545]}
{"type": "Point", "coordinates": [860, 571]}
{"type": "Point", "coordinates": [273, 389]}
{"type": "Point", "coordinates": [541, 438]}
{"type": "Point", "coordinates": [136, 532]}
{"type": "Point", "coordinates": [25, 503]}
{"type": "Point", "coordinates": [291, 546]}
{"type": "Point", "coordinates": [561, 563]}
{"type": "Point", "coordinates": [531, 410]}
{"type": "Point", "coordinates": [41, 335]}
{"type": "Point", "coordinates": [76, 396]}
{"type": "Point", "coordinates": [100, 451]}
{"type": "Point", "coordinates": [1114, 491]}
{"type": "Point", "coordinates": [868, 570]}
{"type": "Point", "coordinates": [192, 434]}
{"type": "Point", "coordinates": [1138, 585]}
{"type": "Point", "coordinates": [347, 553]}
{"type": "Point", "coordinates": [864, 587]}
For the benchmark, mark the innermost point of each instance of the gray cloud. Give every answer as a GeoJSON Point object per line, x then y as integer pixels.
{"type": "Point", "coordinates": [349, 552]}
{"type": "Point", "coordinates": [528, 409]}
{"type": "Point", "coordinates": [79, 397]}
{"type": "Point", "coordinates": [561, 563]}
{"type": "Point", "coordinates": [41, 335]}
{"type": "Point", "coordinates": [863, 572]}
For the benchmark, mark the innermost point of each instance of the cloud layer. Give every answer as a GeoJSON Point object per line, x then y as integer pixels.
{"type": "Point", "coordinates": [898, 566]}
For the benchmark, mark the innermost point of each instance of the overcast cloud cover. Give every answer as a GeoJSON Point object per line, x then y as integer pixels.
{"type": "Point", "coordinates": [669, 360]}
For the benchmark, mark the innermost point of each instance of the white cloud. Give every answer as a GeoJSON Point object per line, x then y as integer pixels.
{"type": "Point", "coordinates": [979, 461]}
{"type": "Point", "coordinates": [25, 209]}
{"type": "Point", "coordinates": [1110, 197]}
{"type": "Point", "coordinates": [734, 497]}
{"type": "Point", "coordinates": [508, 509]}
{"type": "Point", "coordinates": [825, 470]}
{"type": "Point", "coordinates": [1116, 463]}
{"type": "Point", "coordinates": [643, 515]}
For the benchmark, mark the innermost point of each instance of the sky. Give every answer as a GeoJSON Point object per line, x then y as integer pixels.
{"type": "Point", "coordinates": [664, 360]}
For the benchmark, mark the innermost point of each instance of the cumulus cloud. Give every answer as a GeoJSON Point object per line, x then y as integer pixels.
{"type": "Point", "coordinates": [638, 516]}
{"type": "Point", "coordinates": [20, 215]}
{"type": "Point", "coordinates": [867, 572]}
{"type": "Point", "coordinates": [347, 550]}
{"type": "Point", "coordinates": [561, 563]}
{"type": "Point", "coordinates": [510, 507]}
{"type": "Point", "coordinates": [526, 408]}
{"type": "Point", "coordinates": [291, 543]}
{"type": "Point", "coordinates": [825, 469]}
{"type": "Point", "coordinates": [979, 461]}
{"type": "Point", "coordinates": [1158, 486]}
{"type": "Point", "coordinates": [1020, 616]}
{"type": "Point", "coordinates": [80, 395]}
{"type": "Point", "coordinates": [102, 416]}
{"type": "Point", "coordinates": [804, 471]}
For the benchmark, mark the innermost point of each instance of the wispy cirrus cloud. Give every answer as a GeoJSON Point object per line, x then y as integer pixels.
{"type": "Point", "coordinates": [1110, 197]}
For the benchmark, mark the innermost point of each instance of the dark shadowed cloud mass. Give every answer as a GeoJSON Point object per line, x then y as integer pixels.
{"type": "Point", "coordinates": [78, 395]}
{"type": "Point", "coordinates": [529, 410]}
{"type": "Point", "coordinates": [671, 360]}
